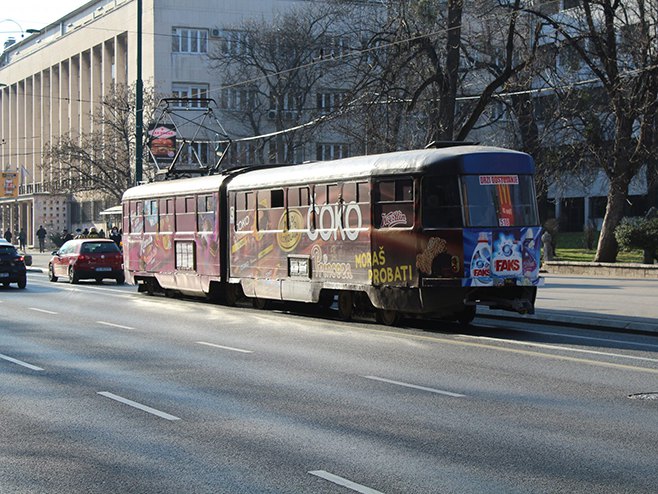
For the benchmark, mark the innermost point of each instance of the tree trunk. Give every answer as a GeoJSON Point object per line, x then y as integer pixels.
{"type": "Point", "coordinates": [614, 212]}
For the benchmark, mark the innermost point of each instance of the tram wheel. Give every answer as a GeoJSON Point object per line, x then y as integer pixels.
{"type": "Point", "coordinates": [466, 315]}
{"type": "Point", "coordinates": [387, 317]}
{"type": "Point", "coordinates": [345, 305]}
{"type": "Point", "coordinates": [232, 294]}
{"type": "Point", "coordinates": [260, 303]}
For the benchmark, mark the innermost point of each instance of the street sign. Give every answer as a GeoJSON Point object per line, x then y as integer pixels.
{"type": "Point", "coordinates": [9, 184]}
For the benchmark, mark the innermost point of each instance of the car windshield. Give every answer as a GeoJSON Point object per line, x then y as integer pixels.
{"type": "Point", "coordinates": [98, 248]}
{"type": "Point", "coordinates": [8, 250]}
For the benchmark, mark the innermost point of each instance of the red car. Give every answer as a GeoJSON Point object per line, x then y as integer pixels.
{"type": "Point", "coordinates": [87, 258]}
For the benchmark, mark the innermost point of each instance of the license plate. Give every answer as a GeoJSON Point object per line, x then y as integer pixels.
{"type": "Point", "coordinates": [4, 275]}
{"type": "Point", "coordinates": [103, 269]}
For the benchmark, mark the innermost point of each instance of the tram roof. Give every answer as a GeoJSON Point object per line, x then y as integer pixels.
{"type": "Point", "coordinates": [452, 160]}
{"type": "Point", "coordinates": [176, 187]}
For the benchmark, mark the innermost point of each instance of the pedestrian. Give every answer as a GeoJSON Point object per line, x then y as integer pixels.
{"type": "Point", "coordinates": [101, 233]}
{"type": "Point", "coordinates": [22, 239]}
{"type": "Point", "coordinates": [66, 236]}
{"type": "Point", "coordinates": [41, 235]}
{"type": "Point", "coordinates": [93, 233]}
{"type": "Point", "coordinates": [547, 241]}
{"type": "Point", "coordinates": [8, 235]}
{"type": "Point", "coordinates": [115, 236]}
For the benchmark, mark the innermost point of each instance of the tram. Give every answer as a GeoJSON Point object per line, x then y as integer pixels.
{"type": "Point", "coordinates": [423, 233]}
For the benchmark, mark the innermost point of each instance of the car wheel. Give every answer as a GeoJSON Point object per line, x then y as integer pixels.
{"type": "Point", "coordinates": [73, 276]}
{"type": "Point", "coordinates": [121, 279]}
{"type": "Point", "coordinates": [51, 273]}
{"type": "Point", "coordinates": [22, 282]}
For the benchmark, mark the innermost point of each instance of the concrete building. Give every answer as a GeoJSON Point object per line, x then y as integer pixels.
{"type": "Point", "coordinates": [52, 81]}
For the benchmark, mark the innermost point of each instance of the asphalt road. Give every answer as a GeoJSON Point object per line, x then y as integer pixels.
{"type": "Point", "coordinates": [106, 390]}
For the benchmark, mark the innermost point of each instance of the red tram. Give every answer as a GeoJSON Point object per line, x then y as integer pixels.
{"type": "Point", "coordinates": [430, 232]}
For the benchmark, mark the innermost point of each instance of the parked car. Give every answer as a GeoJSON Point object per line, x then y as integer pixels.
{"type": "Point", "coordinates": [87, 258]}
{"type": "Point", "coordinates": [12, 265]}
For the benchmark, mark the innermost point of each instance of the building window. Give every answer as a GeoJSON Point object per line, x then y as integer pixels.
{"type": "Point", "coordinates": [243, 153]}
{"type": "Point", "coordinates": [331, 151]}
{"type": "Point", "coordinates": [285, 102]}
{"type": "Point", "coordinates": [191, 91]}
{"type": "Point", "coordinates": [330, 101]}
{"type": "Point", "coordinates": [188, 40]}
{"type": "Point", "coordinates": [237, 99]}
{"type": "Point", "coordinates": [335, 46]}
{"type": "Point", "coordinates": [232, 42]}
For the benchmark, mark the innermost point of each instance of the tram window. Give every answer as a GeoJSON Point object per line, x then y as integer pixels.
{"type": "Point", "coordinates": [244, 207]}
{"type": "Point", "coordinates": [349, 192]}
{"type": "Point", "coordinates": [298, 197]}
{"type": "Point", "coordinates": [395, 204]}
{"type": "Point", "coordinates": [270, 209]}
{"type": "Point", "coordinates": [276, 199]}
{"type": "Point", "coordinates": [136, 217]}
{"type": "Point", "coordinates": [320, 195]}
{"type": "Point", "coordinates": [440, 203]}
{"type": "Point", "coordinates": [499, 200]}
{"type": "Point", "coordinates": [185, 214]}
{"type": "Point", "coordinates": [151, 216]}
{"type": "Point", "coordinates": [206, 213]}
{"type": "Point", "coordinates": [333, 194]}
{"type": "Point", "coordinates": [363, 192]}
{"type": "Point", "coordinates": [126, 217]}
{"type": "Point", "coordinates": [184, 255]}
{"type": "Point", "coordinates": [166, 218]}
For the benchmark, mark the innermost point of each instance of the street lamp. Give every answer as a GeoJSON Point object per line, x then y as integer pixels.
{"type": "Point", "coordinates": [20, 28]}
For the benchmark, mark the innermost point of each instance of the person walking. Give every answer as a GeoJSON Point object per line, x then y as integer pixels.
{"type": "Point", "coordinates": [8, 235]}
{"type": "Point", "coordinates": [22, 239]}
{"type": "Point", "coordinates": [116, 236]}
{"type": "Point", "coordinates": [41, 235]}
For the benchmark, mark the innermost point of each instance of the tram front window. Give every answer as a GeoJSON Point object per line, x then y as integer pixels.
{"type": "Point", "coordinates": [441, 206]}
{"type": "Point", "coordinates": [499, 200]}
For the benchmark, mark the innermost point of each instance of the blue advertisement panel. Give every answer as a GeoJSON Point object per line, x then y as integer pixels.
{"type": "Point", "coordinates": [502, 256]}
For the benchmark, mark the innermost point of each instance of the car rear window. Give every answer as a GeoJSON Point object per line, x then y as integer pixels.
{"type": "Point", "coordinates": [98, 247]}
{"type": "Point", "coordinates": [8, 250]}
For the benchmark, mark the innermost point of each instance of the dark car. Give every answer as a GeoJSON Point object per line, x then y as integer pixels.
{"type": "Point", "coordinates": [12, 266]}
{"type": "Point", "coordinates": [87, 258]}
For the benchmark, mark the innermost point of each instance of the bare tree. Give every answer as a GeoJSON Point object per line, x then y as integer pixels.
{"type": "Point", "coordinates": [610, 116]}
{"type": "Point", "coordinates": [99, 160]}
{"type": "Point", "coordinates": [271, 74]}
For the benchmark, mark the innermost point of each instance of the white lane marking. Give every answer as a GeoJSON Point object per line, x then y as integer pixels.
{"type": "Point", "coordinates": [423, 388]}
{"type": "Point", "coordinates": [113, 325]}
{"type": "Point", "coordinates": [20, 362]}
{"type": "Point", "coordinates": [138, 405]}
{"type": "Point", "coordinates": [344, 482]}
{"type": "Point", "coordinates": [580, 337]}
{"type": "Point", "coordinates": [43, 310]}
{"type": "Point", "coordinates": [225, 347]}
{"type": "Point", "coordinates": [561, 348]}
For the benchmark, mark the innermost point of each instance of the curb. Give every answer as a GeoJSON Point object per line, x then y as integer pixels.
{"type": "Point", "coordinates": [580, 322]}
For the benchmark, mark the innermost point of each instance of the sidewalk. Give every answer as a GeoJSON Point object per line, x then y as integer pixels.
{"type": "Point", "coordinates": [595, 302]}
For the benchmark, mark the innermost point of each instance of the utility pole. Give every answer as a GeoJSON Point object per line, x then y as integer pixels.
{"type": "Point", "coordinates": [139, 100]}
